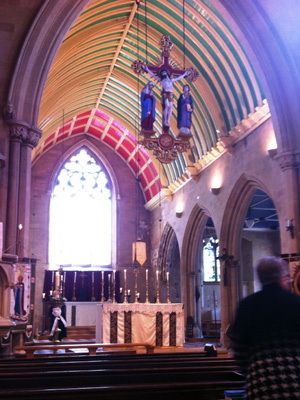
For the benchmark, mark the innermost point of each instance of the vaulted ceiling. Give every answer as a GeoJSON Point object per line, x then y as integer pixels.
{"type": "Point", "coordinates": [93, 90]}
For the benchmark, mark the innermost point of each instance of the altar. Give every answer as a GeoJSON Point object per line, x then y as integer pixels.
{"type": "Point", "coordinates": [157, 324]}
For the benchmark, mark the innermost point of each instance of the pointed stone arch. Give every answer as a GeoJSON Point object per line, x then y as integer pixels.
{"type": "Point", "coordinates": [189, 260]}
{"type": "Point", "coordinates": [230, 234]}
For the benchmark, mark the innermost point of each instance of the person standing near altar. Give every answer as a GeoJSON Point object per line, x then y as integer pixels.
{"type": "Point", "coordinates": [185, 110]}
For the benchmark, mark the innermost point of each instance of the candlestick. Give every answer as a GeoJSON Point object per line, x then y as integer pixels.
{"type": "Point", "coordinates": [135, 286]}
{"type": "Point", "coordinates": [109, 288]}
{"type": "Point", "coordinates": [157, 287]}
{"type": "Point", "coordinates": [57, 284]}
{"type": "Point", "coordinates": [102, 287]}
{"type": "Point", "coordinates": [168, 289]}
{"type": "Point", "coordinates": [147, 288]}
{"type": "Point", "coordinates": [114, 287]}
{"type": "Point", "coordinates": [74, 287]}
{"type": "Point", "coordinates": [125, 288]}
{"type": "Point", "coordinates": [93, 287]}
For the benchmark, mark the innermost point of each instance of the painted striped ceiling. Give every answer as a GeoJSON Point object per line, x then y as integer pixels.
{"type": "Point", "coordinates": [91, 79]}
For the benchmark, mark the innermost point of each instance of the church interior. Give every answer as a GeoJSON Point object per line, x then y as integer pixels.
{"type": "Point", "coordinates": [136, 213]}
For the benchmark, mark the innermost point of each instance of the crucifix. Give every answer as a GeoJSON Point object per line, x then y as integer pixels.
{"type": "Point", "coordinates": [164, 74]}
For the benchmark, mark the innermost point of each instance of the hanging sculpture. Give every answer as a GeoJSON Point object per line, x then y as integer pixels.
{"type": "Point", "coordinates": [165, 147]}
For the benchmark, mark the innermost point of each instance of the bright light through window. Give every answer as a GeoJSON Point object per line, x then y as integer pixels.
{"type": "Point", "coordinates": [211, 264]}
{"type": "Point", "coordinates": [80, 215]}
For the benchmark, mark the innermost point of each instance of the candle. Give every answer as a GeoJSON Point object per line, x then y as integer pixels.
{"type": "Point", "coordinates": [129, 292]}
{"type": "Point", "coordinates": [109, 275]}
{"type": "Point", "coordinates": [75, 277]}
{"type": "Point", "coordinates": [93, 277]}
{"type": "Point", "coordinates": [57, 277]}
{"type": "Point", "coordinates": [44, 295]}
{"type": "Point", "coordinates": [51, 291]}
{"type": "Point", "coordinates": [125, 274]}
{"type": "Point", "coordinates": [102, 275]}
{"type": "Point", "coordinates": [121, 290]}
{"type": "Point", "coordinates": [146, 274]}
{"type": "Point", "coordinates": [157, 275]}
{"type": "Point", "coordinates": [168, 276]}
{"type": "Point", "coordinates": [138, 295]}
{"type": "Point", "coordinates": [114, 276]}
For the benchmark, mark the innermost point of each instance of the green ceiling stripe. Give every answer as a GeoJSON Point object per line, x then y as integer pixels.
{"type": "Point", "coordinates": [99, 21]}
{"type": "Point", "coordinates": [230, 46]}
{"type": "Point", "coordinates": [220, 17]}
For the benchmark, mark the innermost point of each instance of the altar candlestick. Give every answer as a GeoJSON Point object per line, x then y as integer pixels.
{"type": "Point", "coordinates": [147, 288]}
{"type": "Point", "coordinates": [74, 287]}
{"type": "Point", "coordinates": [102, 287]}
{"type": "Point", "coordinates": [157, 287]}
{"type": "Point", "coordinates": [168, 289]}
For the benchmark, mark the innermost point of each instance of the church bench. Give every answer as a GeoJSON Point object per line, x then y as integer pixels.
{"type": "Point", "coordinates": [209, 390]}
{"type": "Point", "coordinates": [113, 360]}
{"type": "Point", "coordinates": [30, 351]}
{"type": "Point", "coordinates": [105, 376]}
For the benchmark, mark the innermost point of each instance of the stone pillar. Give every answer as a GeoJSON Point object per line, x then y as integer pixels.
{"type": "Point", "coordinates": [229, 296]}
{"type": "Point", "coordinates": [23, 138]}
{"type": "Point", "coordinates": [289, 162]}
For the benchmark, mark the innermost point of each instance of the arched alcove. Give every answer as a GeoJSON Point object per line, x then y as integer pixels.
{"type": "Point", "coordinates": [169, 257]}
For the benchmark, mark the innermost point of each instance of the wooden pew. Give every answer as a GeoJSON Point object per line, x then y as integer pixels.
{"type": "Point", "coordinates": [30, 351]}
{"type": "Point", "coordinates": [140, 376]}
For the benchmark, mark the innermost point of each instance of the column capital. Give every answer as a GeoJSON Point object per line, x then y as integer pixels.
{"type": "Point", "coordinates": [288, 160]}
{"type": "Point", "coordinates": [24, 133]}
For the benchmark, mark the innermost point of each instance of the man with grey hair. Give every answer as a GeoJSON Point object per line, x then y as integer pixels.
{"type": "Point", "coordinates": [266, 335]}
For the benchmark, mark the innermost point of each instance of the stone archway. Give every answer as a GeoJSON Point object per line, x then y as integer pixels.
{"type": "Point", "coordinates": [189, 262]}
{"type": "Point", "coordinates": [230, 240]}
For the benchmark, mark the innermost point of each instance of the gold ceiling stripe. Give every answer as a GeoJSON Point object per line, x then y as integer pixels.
{"type": "Point", "coordinates": [120, 45]}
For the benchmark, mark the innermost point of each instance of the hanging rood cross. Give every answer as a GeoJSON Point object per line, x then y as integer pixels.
{"type": "Point", "coordinates": [163, 73]}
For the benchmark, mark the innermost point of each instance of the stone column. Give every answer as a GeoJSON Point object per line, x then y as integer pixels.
{"type": "Point", "coordinates": [24, 205]}
{"type": "Point", "coordinates": [289, 162]}
{"type": "Point", "coordinates": [23, 138]}
{"type": "Point", "coordinates": [17, 133]}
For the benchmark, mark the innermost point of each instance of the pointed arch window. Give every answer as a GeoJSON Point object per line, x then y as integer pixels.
{"type": "Point", "coordinates": [211, 263]}
{"type": "Point", "coordinates": [81, 214]}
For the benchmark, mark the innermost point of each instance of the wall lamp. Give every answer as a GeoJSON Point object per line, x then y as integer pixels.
{"type": "Point", "coordinates": [272, 152]}
{"type": "Point", "coordinates": [290, 227]}
{"type": "Point", "coordinates": [215, 191]}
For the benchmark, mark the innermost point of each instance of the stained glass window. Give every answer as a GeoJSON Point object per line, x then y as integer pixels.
{"type": "Point", "coordinates": [80, 214]}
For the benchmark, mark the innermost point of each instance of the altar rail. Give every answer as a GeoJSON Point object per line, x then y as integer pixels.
{"type": "Point", "coordinates": [30, 351]}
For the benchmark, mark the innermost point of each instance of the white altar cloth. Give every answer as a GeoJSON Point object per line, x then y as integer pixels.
{"type": "Point", "coordinates": [143, 322]}
{"type": "Point", "coordinates": [81, 313]}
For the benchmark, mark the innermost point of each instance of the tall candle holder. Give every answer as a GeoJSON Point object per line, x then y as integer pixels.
{"type": "Point", "coordinates": [102, 288]}
{"type": "Point", "coordinates": [136, 297]}
{"type": "Point", "coordinates": [125, 301]}
{"type": "Point", "coordinates": [168, 289]}
{"type": "Point", "coordinates": [109, 289]}
{"type": "Point", "coordinates": [114, 287]}
{"type": "Point", "coordinates": [93, 287]}
{"type": "Point", "coordinates": [74, 287]}
{"type": "Point", "coordinates": [157, 287]}
{"type": "Point", "coordinates": [147, 288]}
